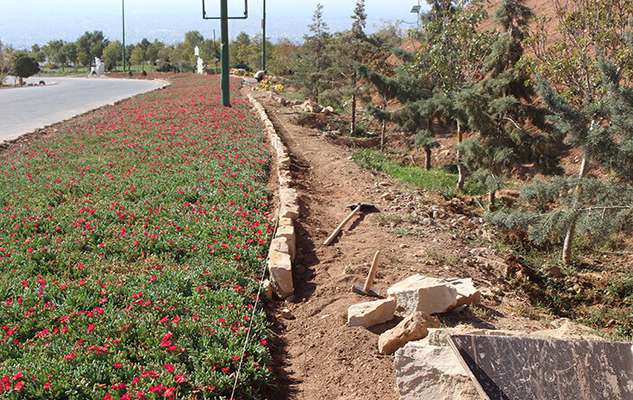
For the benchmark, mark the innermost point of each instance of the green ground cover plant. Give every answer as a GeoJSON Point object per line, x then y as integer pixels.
{"type": "Point", "coordinates": [434, 180]}
{"type": "Point", "coordinates": [131, 244]}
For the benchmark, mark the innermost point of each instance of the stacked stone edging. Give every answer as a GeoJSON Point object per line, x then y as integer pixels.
{"type": "Point", "coordinates": [284, 244]}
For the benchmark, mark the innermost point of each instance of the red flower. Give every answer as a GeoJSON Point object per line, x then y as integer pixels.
{"type": "Point", "coordinates": [180, 379]}
{"type": "Point", "coordinates": [169, 367]}
{"type": "Point", "coordinates": [70, 356]}
{"type": "Point", "coordinates": [18, 386]}
{"type": "Point", "coordinates": [90, 328]}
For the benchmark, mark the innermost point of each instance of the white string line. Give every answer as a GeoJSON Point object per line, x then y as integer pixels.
{"type": "Point", "coordinates": [250, 326]}
{"type": "Point", "coordinates": [261, 285]}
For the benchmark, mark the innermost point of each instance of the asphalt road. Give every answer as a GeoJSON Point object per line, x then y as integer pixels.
{"type": "Point", "coordinates": [23, 110]}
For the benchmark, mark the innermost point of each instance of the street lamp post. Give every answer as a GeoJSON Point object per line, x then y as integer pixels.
{"type": "Point", "coordinates": [224, 29]}
{"type": "Point", "coordinates": [123, 24]}
{"type": "Point", "coordinates": [264, 39]}
{"type": "Point", "coordinates": [224, 32]}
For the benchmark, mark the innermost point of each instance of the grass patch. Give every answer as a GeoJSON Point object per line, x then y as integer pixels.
{"type": "Point", "coordinates": [435, 180]}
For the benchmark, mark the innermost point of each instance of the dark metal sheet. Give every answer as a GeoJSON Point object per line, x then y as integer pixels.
{"type": "Point", "coordinates": [522, 368]}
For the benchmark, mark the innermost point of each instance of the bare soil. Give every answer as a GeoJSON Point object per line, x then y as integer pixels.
{"type": "Point", "coordinates": [319, 357]}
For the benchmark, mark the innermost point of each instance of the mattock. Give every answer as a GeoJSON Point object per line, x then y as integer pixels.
{"type": "Point", "coordinates": [359, 208]}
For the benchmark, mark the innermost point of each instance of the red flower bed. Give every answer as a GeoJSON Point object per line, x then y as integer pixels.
{"type": "Point", "coordinates": [130, 245]}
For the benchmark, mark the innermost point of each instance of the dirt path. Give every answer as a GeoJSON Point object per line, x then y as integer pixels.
{"type": "Point", "coordinates": [324, 359]}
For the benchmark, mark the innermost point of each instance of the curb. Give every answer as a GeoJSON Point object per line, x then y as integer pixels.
{"type": "Point", "coordinates": [284, 244]}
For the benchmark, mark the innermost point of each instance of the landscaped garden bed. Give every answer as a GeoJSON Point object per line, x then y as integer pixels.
{"type": "Point", "coordinates": [131, 244]}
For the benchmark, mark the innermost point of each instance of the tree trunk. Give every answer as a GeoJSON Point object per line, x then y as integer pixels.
{"type": "Point", "coordinates": [492, 199]}
{"type": "Point", "coordinates": [460, 168]}
{"type": "Point", "coordinates": [427, 158]}
{"type": "Point", "coordinates": [383, 129]}
{"type": "Point", "coordinates": [353, 127]}
{"type": "Point", "coordinates": [571, 230]}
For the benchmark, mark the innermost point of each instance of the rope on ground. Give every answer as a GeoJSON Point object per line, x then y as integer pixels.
{"type": "Point", "coordinates": [251, 319]}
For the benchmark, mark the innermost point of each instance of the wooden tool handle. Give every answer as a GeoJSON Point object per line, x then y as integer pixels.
{"type": "Point", "coordinates": [338, 230]}
{"type": "Point", "coordinates": [369, 282]}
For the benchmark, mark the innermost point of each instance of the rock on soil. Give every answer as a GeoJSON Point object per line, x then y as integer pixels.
{"type": "Point", "coordinates": [467, 293]}
{"type": "Point", "coordinates": [424, 294]}
{"type": "Point", "coordinates": [414, 327]}
{"type": "Point", "coordinates": [371, 313]}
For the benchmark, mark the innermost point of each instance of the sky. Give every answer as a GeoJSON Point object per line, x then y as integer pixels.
{"type": "Point", "coordinates": [24, 22]}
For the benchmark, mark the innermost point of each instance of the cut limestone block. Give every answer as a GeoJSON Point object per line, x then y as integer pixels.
{"type": "Point", "coordinates": [280, 268]}
{"type": "Point", "coordinates": [414, 327]}
{"type": "Point", "coordinates": [288, 195]}
{"type": "Point", "coordinates": [280, 244]}
{"type": "Point", "coordinates": [284, 163]}
{"type": "Point", "coordinates": [289, 211]}
{"type": "Point", "coordinates": [371, 313]}
{"type": "Point", "coordinates": [467, 293]}
{"type": "Point", "coordinates": [420, 293]}
{"type": "Point", "coordinates": [285, 221]}
{"type": "Point", "coordinates": [287, 231]}
{"type": "Point", "coordinates": [285, 179]}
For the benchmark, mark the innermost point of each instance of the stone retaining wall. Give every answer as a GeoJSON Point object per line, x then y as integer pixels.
{"type": "Point", "coordinates": [283, 247]}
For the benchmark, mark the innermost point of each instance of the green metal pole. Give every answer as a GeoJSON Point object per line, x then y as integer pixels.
{"type": "Point", "coordinates": [123, 20]}
{"type": "Point", "coordinates": [264, 39]}
{"type": "Point", "coordinates": [224, 22]}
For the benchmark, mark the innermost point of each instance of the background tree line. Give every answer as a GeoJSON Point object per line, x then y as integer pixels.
{"type": "Point", "coordinates": [150, 55]}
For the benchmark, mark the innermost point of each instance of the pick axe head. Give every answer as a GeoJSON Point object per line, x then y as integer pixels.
{"type": "Point", "coordinates": [365, 208]}
{"type": "Point", "coordinates": [358, 288]}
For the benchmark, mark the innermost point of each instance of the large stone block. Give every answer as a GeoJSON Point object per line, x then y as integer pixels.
{"type": "Point", "coordinates": [371, 313]}
{"type": "Point", "coordinates": [280, 268]}
{"type": "Point", "coordinates": [424, 294]}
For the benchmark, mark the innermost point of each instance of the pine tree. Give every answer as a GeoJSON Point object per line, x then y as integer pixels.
{"type": "Point", "coordinates": [358, 45]}
{"type": "Point", "coordinates": [452, 54]}
{"type": "Point", "coordinates": [415, 116]}
{"type": "Point", "coordinates": [588, 30]}
{"type": "Point", "coordinates": [314, 61]}
{"type": "Point", "coordinates": [565, 207]}
{"type": "Point", "coordinates": [414, 91]}
{"type": "Point", "coordinates": [380, 48]}
{"type": "Point", "coordinates": [510, 129]}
